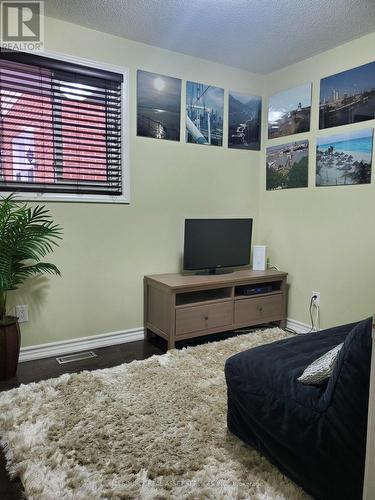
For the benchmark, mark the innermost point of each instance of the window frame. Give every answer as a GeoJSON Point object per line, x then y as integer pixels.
{"type": "Point", "coordinates": [124, 198]}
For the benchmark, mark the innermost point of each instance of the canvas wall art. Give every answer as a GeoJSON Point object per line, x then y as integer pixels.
{"type": "Point", "coordinates": [344, 158]}
{"type": "Point", "coordinates": [347, 97]}
{"type": "Point", "coordinates": [287, 165]}
{"type": "Point", "coordinates": [244, 121]}
{"type": "Point", "coordinates": [289, 112]}
{"type": "Point", "coordinates": [158, 106]}
{"type": "Point", "coordinates": [204, 114]}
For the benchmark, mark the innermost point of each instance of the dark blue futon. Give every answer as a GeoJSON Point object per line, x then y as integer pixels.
{"type": "Point", "coordinates": [316, 435]}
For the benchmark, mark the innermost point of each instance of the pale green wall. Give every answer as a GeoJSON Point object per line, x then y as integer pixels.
{"type": "Point", "coordinates": [324, 237]}
{"type": "Point", "coordinates": [106, 248]}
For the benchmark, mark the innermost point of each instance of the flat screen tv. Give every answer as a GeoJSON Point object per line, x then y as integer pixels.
{"type": "Point", "coordinates": [212, 244]}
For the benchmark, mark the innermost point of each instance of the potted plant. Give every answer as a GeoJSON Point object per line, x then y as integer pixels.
{"type": "Point", "coordinates": [26, 236]}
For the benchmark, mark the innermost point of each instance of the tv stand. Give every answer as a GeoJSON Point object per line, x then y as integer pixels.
{"type": "Point", "coordinates": [178, 307]}
{"type": "Point", "coordinates": [213, 271]}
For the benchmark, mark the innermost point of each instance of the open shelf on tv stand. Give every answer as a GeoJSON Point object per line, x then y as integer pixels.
{"type": "Point", "coordinates": [178, 307]}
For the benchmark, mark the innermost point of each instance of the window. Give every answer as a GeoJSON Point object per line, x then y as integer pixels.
{"type": "Point", "coordinates": [61, 129]}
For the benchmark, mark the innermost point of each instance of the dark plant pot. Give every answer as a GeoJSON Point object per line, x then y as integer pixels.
{"type": "Point", "coordinates": [10, 340]}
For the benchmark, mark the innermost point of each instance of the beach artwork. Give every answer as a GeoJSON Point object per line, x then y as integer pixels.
{"type": "Point", "coordinates": [204, 114]}
{"type": "Point", "coordinates": [348, 97]}
{"type": "Point", "coordinates": [287, 165]}
{"type": "Point", "coordinates": [244, 121]}
{"type": "Point", "coordinates": [344, 158]}
{"type": "Point", "coordinates": [158, 106]}
{"type": "Point", "coordinates": [289, 112]}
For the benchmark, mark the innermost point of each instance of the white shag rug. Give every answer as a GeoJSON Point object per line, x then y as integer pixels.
{"type": "Point", "coordinates": [152, 429]}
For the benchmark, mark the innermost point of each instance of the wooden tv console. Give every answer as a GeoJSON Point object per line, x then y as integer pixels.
{"type": "Point", "coordinates": [179, 307]}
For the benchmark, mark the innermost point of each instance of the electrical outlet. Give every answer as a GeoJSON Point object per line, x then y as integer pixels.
{"type": "Point", "coordinates": [22, 313]}
{"type": "Point", "coordinates": [316, 301]}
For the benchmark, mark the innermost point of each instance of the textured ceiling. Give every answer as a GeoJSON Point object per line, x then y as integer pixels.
{"type": "Point", "coordinates": [256, 35]}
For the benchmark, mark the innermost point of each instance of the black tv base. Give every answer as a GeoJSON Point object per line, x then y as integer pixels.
{"type": "Point", "coordinates": [213, 270]}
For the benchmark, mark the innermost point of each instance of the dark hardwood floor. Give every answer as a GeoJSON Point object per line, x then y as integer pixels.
{"type": "Point", "coordinates": [42, 369]}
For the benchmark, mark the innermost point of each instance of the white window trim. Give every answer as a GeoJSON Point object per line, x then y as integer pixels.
{"type": "Point", "coordinates": [93, 198]}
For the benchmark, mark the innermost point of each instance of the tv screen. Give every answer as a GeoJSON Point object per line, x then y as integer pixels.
{"type": "Point", "coordinates": [214, 243]}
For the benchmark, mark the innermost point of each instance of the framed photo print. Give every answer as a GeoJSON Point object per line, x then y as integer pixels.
{"type": "Point", "coordinates": [204, 114]}
{"type": "Point", "coordinates": [158, 106]}
{"type": "Point", "coordinates": [244, 121]}
{"type": "Point", "coordinates": [287, 165]}
{"type": "Point", "coordinates": [289, 112]}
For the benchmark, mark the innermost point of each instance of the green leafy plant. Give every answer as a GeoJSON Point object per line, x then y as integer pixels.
{"type": "Point", "coordinates": [26, 236]}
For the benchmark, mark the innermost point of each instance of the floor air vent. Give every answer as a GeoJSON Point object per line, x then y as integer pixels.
{"type": "Point", "coordinates": [79, 356]}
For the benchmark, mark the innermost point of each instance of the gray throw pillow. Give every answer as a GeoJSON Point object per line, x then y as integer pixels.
{"type": "Point", "coordinates": [321, 369]}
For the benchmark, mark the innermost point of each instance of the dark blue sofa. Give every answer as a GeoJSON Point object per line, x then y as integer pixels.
{"type": "Point", "coordinates": [315, 435]}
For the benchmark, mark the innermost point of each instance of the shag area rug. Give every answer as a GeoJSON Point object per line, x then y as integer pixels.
{"type": "Point", "coordinates": [152, 429]}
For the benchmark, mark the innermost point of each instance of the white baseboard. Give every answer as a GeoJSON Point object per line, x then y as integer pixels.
{"type": "Point", "coordinates": [297, 326]}
{"type": "Point", "coordinates": [59, 348]}
{"type": "Point", "coordinates": [54, 349]}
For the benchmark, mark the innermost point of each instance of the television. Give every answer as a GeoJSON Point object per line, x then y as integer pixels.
{"type": "Point", "coordinates": [213, 244]}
